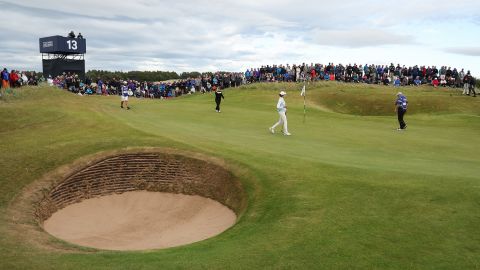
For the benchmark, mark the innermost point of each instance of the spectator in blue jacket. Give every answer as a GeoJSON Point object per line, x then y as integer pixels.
{"type": "Point", "coordinates": [397, 82]}
{"type": "Point", "coordinates": [5, 79]}
{"type": "Point", "coordinates": [417, 81]}
{"type": "Point", "coordinates": [99, 86]}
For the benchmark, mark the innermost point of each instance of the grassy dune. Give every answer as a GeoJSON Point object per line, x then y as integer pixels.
{"type": "Point", "coordinates": [346, 191]}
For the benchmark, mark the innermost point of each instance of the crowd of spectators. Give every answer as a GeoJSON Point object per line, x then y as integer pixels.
{"type": "Point", "coordinates": [395, 75]}
{"type": "Point", "coordinates": [372, 74]}
{"type": "Point", "coordinates": [203, 84]}
{"type": "Point", "coordinates": [9, 80]}
{"type": "Point", "coordinates": [15, 78]}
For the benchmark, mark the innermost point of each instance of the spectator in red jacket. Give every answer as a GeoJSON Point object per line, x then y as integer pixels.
{"type": "Point", "coordinates": [435, 82]}
{"type": "Point", "coordinates": [313, 74]}
{"type": "Point", "coordinates": [13, 79]}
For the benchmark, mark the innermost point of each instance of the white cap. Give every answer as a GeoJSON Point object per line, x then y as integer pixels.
{"type": "Point", "coordinates": [399, 93]}
{"type": "Point", "coordinates": [282, 93]}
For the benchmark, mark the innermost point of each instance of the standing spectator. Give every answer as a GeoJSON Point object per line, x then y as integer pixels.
{"type": "Point", "coordinates": [218, 98]}
{"type": "Point", "coordinates": [248, 75]}
{"type": "Point", "coordinates": [313, 74]}
{"type": "Point", "coordinates": [14, 79]}
{"type": "Point", "coordinates": [5, 79]}
{"type": "Point", "coordinates": [473, 83]}
{"type": "Point", "coordinates": [24, 79]}
{"type": "Point", "coordinates": [132, 87]}
{"type": "Point", "coordinates": [401, 108]}
{"type": "Point", "coordinates": [460, 77]}
{"type": "Point", "coordinates": [466, 83]}
{"type": "Point", "coordinates": [50, 80]}
{"type": "Point", "coordinates": [282, 111]}
{"type": "Point", "coordinates": [297, 73]}
{"type": "Point", "coordinates": [99, 86]}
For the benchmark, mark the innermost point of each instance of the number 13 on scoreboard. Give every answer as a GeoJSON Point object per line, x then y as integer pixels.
{"type": "Point", "coordinates": [72, 44]}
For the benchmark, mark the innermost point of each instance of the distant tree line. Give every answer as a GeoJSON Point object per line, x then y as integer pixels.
{"type": "Point", "coordinates": [150, 76]}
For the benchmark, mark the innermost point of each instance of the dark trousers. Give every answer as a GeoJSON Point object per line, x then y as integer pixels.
{"type": "Point", "coordinates": [218, 104]}
{"type": "Point", "coordinates": [471, 90]}
{"type": "Point", "coordinates": [401, 112]}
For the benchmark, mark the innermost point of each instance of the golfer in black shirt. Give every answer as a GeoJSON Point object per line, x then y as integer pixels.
{"type": "Point", "coordinates": [218, 97]}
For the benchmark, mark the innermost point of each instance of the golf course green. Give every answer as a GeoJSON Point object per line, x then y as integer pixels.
{"type": "Point", "coordinates": [345, 191]}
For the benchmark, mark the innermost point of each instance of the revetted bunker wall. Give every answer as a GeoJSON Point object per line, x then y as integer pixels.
{"type": "Point", "coordinates": [157, 172]}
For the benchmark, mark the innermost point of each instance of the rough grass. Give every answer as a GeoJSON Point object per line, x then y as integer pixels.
{"type": "Point", "coordinates": [346, 191]}
{"type": "Point", "coordinates": [373, 100]}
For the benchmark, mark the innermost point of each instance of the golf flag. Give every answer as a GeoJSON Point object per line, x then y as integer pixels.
{"type": "Point", "coordinates": [303, 91]}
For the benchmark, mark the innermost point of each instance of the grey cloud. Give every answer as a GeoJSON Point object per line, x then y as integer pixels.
{"type": "Point", "coordinates": [59, 14]}
{"type": "Point", "coordinates": [469, 51]}
{"type": "Point", "coordinates": [357, 38]}
{"type": "Point", "coordinates": [210, 34]}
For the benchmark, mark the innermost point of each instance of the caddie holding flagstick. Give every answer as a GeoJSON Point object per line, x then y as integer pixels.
{"type": "Point", "coordinates": [282, 111]}
{"type": "Point", "coordinates": [304, 95]}
{"type": "Point", "coordinates": [125, 94]}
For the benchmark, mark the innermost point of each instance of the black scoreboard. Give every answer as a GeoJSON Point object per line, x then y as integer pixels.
{"type": "Point", "coordinates": [63, 54]}
{"type": "Point", "coordinates": [63, 45]}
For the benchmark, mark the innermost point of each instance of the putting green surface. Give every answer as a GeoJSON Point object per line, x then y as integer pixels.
{"type": "Point", "coordinates": [345, 191]}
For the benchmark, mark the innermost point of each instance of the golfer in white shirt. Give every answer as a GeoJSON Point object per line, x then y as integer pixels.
{"type": "Point", "coordinates": [282, 110]}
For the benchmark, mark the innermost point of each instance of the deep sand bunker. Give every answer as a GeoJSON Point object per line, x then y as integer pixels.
{"type": "Point", "coordinates": [138, 201]}
{"type": "Point", "coordinates": [140, 220]}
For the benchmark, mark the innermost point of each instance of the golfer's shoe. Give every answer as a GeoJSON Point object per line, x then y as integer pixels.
{"type": "Point", "coordinates": [128, 108]}
{"type": "Point", "coordinates": [271, 130]}
{"type": "Point", "coordinates": [287, 134]}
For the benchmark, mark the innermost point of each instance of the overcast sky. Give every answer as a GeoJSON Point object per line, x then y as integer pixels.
{"type": "Point", "coordinates": [235, 35]}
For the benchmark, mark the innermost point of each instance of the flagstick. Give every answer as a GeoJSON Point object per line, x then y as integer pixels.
{"type": "Point", "coordinates": [304, 103]}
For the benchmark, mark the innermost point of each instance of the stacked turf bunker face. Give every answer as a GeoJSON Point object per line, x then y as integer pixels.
{"type": "Point", "coordinates": [144, 171]}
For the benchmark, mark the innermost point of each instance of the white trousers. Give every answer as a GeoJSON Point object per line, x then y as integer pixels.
{"type": "Point", "coordinates": [466, 87]}
{"type": "Point", "coordinates": [283, 119]}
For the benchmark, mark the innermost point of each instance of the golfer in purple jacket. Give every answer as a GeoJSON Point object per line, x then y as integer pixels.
{"type": "Point", "coordinates": [401, 105]}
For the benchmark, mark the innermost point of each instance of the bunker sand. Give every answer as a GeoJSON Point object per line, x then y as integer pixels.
{"type": "Point", "coordinates": [140, 220]}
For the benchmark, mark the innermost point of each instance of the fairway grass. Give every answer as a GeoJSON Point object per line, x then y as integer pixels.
{"type": "Point", "coordinates": [345, 191]}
